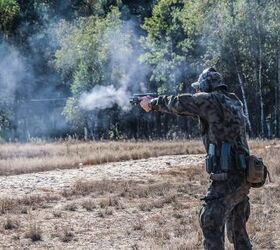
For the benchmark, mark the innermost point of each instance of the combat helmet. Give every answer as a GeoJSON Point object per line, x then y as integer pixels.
{"type": "Point", "coordinates": [209, 80]}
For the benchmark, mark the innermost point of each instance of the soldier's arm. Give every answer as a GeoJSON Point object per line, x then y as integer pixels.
{"type": "Point", "coordinates": [185, 104]}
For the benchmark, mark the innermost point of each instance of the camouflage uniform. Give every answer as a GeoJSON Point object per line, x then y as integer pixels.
{"type": "Point", "coordinates": [226, 203]}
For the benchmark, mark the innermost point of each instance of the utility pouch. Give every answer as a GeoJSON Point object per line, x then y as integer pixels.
{"type": "Point", "coordinates": [256, 171]}
{"type": "Point", "coordinates": [241, 161]}
{"type": "Point", "coordinates": [225, 158]}
{"type": "Point", "coordinates": [210, 160]}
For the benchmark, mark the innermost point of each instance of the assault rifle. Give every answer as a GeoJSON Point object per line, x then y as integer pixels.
{"type": "Point", "coordinates": [135, 99]}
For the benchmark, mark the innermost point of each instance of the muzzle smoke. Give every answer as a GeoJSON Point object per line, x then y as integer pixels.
{"type": "Point", "coordinates": [128, 74]}
{"type": "Point", "coordinates": [102, 97]}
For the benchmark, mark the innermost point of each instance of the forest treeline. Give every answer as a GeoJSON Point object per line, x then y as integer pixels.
{"type": "Point", "coordinates": [67, 68]}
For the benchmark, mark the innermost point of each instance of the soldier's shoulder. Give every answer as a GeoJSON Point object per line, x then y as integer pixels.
{"type": "Point", "coordinates": [230, 99]}
{"type": "Point", "coordinates": [234, 97]}
{"type": "Point", "coordinates": [203, 96]}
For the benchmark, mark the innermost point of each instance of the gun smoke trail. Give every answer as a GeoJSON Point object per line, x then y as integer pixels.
{"type": "Point", "coordinates": [128, 73]}
{"type": "Point", "coordinates": [102, 97]}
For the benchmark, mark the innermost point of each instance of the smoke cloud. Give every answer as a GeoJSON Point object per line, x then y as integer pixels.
{"type": "Point", "coordinates": [12, 71]}
{"type": "Point", "coordinates": [128, 73]}
{"type": "Point", "coordinates": [25, 75]}
{"type": "Point", "coordinates": [102, 97]}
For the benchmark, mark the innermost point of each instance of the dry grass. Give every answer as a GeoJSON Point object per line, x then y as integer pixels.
{"type": "Point", "coordinates": [88, 204]}
{"type": "Point", "coordinates": [71, 206]}
{"type": "Point", "coordinates": [10, 223]}
{"type": "Point", "coordinates": [21, 205]}
{"type": "Point", "coordinates": [35, 157]}
{"type": "Point", "coordinates": [66, 234]}
{"type": "Point", "coordinates": [34, 232]}
{"type": "Point", "coordinates": [156, 213]}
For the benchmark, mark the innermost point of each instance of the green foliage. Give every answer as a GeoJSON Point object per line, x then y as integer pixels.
{"type": "Point", "coordinates": [82, 79]}
{"type": "Point", "coordinates": [179, 38]}
{"type": "Point", "coordinates": [96, 7]}
{"type": "Point", "coordinates": [238, 37]}
{"type": "Point", "coordinates": [73, 113]}
{"type": "Point", "coordinates": [90, 54]}
{"type": "Point", "coordinates": [9, 11]}
{"type": "Point", "coordinates": [172, 32]}
{"type": "Point", "coordinates": [84, 57]}
{"type": "Point", "coordinates": [84, 43]}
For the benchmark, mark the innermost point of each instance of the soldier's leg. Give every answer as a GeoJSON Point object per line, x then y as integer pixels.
{"type": "Point", "coordinates": [212, 221]}
{"type": "Point", "coordinates": [236, 226]}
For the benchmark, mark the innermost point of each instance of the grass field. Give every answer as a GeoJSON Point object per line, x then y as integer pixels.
{"type": "Point", "coordinates": [35, 157]}
{"type": "Point", "coordinates": [158, 212]}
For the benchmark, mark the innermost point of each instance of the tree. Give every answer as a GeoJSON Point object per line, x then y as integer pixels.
{"type": "Point", "coordinates": [239, 34]}
{"type": "Point", "coordinates": [9, 12]}
{"type": "Point", "coordinates": [68, 48]}
{"type": "Point", "coordinates": [171, 45]}
{"type": "Point", "coordinates": [96, 55]}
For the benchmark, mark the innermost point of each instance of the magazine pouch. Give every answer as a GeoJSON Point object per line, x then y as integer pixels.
{"type": "Point", "coordinates": [211, 159]}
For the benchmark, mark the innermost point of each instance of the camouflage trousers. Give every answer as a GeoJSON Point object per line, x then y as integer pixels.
{"type": "Point", "coordinates": [226, 205]}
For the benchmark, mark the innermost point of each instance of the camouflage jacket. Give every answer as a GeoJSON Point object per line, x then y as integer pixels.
{"type": "Point", "coordinates": [220, 113]}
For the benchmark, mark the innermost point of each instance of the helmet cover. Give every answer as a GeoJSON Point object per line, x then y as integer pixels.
{"type": "Point", "coordinates": [209, 80]}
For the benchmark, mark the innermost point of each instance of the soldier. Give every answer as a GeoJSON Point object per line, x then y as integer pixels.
{"type": "Point", "coordinates": [223, 129]}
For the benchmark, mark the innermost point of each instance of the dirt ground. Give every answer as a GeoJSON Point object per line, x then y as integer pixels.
{"type": "Point", "coordinates": [141, 204]}
{"type": "Point", "coordinates": [51, 181]}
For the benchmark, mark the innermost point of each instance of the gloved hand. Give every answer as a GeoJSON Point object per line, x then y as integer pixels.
{"type": "Point", "coordinates": [146, 103]}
